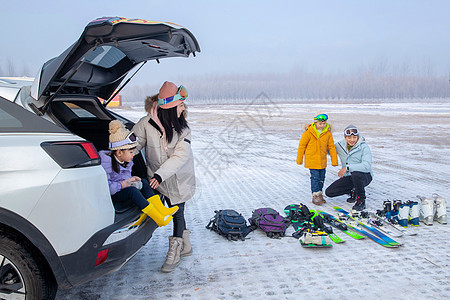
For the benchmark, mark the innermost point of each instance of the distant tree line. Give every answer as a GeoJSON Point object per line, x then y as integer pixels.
{"type": "Point", "coordinates": [297, 85]}
{"type": "Point", "coordinates": [10, 69]}
{"type": "Point", "coordinates": [378, 81]}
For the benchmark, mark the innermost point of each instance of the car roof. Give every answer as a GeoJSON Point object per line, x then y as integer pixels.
{"type": "Point", "coordinates": [10, 86]}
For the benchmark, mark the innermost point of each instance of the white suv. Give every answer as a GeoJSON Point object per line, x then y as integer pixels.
{"type": "Point", "coordinates": [58, 224]}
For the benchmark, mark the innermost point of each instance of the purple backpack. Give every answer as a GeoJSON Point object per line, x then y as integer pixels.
{"type": "Point", "coordinates": [270, 221]}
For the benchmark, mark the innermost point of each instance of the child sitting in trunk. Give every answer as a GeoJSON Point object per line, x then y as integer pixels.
{"type": "Point", "coordinates": [125, 188]}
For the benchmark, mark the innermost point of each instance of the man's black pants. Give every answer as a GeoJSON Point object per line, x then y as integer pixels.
{"type": "Point", "coordinates": [344, 185]}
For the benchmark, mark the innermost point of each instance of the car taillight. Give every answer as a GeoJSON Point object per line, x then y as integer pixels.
{"type": "Point", "coordinates": [72, 154]}
{"type": "Point", "coordinates": [101, 257]}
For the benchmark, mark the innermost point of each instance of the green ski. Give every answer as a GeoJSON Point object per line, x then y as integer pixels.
{"type": "Point", "coordinates": [340, 225]}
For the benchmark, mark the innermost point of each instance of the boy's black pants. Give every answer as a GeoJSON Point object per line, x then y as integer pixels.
{"type": "Point", "coordinates": [344, 185]}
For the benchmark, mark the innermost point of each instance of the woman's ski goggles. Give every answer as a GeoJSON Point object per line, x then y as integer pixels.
{"type": "Point", "coordinates": [321, 117]}
{"type": "Point", "coordinates": [130, 139]}
{"type": "Point", "coordinates": [180, 95]}
{"type": "Point", "coordinates": [351, 131]}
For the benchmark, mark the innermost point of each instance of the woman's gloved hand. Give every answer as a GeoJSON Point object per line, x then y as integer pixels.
{"type": "Point", "coordinates": [155, 181]}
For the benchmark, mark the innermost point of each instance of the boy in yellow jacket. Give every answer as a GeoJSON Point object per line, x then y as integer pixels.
{"type": "Point", "coordinates": [313, 145]}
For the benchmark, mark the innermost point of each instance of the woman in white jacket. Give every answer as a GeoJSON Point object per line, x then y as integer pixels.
{"type": "Point", "coordinates": [166, 137]}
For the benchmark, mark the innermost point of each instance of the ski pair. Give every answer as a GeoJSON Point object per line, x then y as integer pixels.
{"type": "Point", "coordinates": [392, 223]}
{"type": "Point", "coordinates": [370, 231]}
{"type": "Point", "coordinates": [373, 237]}
{"type": "Point", "coordinates": [371, 220]}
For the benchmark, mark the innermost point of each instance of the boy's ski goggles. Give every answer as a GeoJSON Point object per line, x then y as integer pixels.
{"type": "Point", "coordinates": [321, 117]}
{"type": "Point", "coordinates": [351, 131]}
{"type": "Point", "coordinates": [180, 95]}
{"type": "Point", "coordinates": [130, 139]}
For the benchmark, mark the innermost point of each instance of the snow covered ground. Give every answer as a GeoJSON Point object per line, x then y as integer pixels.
{"type": "Point", "coordinates": [245, 159]}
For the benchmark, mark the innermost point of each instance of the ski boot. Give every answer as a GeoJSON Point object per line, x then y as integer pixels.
{"type": "Point", "coordinates": [426, 210]}
{"type": "Point", "coordinates": [387, 206]}
{"type": "Point", "coordinates": [360, 204]}
{"type": "Point", "coordinates": [352, 198]}
{"type": "Point", "coordinates": [413, 218]}
{"type": "Point", "coordinates": [441, 209]}
{"type": "Point", "coordinates": [403, 215]}
{"type": "Point", "coordinates": [396, 208]}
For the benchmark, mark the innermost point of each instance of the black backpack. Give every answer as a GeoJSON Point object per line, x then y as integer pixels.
{"type": "Point", "coordinates": [230, 224]}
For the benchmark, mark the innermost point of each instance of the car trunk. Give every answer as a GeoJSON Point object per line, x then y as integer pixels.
{"type": "Point", "coordinates": [86, 117]}
{"type": "Point", "coordinates": [68, 87]}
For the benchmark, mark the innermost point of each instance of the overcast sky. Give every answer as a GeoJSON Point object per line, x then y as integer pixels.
{"type": "Point", "coordinates": [246, 36]}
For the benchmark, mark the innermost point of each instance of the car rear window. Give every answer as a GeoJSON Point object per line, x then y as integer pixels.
{"type": "Point", "coordinates": [14, 118]}
{"type": "Point", "coordinates": [79, 111]}
{"type": "Point", "coordinates": [105, 56]}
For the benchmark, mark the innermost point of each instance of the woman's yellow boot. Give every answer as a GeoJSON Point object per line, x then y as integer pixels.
{"type": "Point", "coordinates": [156, 201]}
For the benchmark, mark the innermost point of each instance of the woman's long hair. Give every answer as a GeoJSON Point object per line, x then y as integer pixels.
{"type": "Point", "coordinates": [170, 122]}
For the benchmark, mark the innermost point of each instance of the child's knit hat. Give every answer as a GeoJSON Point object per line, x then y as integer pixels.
{"type": "Point", "coordinates": [120, 137]}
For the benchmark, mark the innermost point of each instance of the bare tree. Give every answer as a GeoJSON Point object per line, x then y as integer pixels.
{"type": "Point", "coordinates": [10, 67]}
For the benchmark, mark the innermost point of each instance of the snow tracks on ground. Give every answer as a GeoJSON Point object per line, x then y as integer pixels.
{"type": "Point", "coordinates": [245, 159]}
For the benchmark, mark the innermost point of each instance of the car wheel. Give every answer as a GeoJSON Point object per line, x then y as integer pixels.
{"type": "Point", "coordinates": [22, 276]}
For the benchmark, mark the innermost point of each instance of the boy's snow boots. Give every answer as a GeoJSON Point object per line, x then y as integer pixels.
{"type": "Point", "coordinates": [426, 210]}
{"type": "Point", "coordinates": [173, 255]}
{"type": "Point", "coordinates": [317, 198]}
{"type": "Point", "coordinates": [360, 204]}
{"type": "Point", "coordinates": [441, 209]}
{"type": "Point", "coordinates": [352, 198]}
{"type": "Point", "coordinates": [320, 197]}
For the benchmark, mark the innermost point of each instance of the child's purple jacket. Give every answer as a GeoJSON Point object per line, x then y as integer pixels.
{"type": "Point", "coordinates": [114, 179]}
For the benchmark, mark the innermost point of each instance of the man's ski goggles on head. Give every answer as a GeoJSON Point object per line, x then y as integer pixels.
{"type": "Point", "coordinates": [130, 139]}
{"type": "Point", "coordinates": [321, 117]}
{"type": "Point", "coordinates": [351, 131]}
{"type": "Point", "coordinates": [180, 95]}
